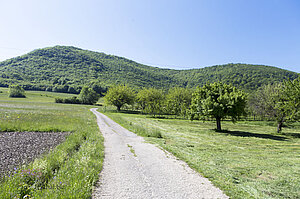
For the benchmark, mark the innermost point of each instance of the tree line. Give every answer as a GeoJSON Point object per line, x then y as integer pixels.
{"type": "Point", "coordinates": [279, 102]}
{"type": "Point", "coordinates": [218, 101]}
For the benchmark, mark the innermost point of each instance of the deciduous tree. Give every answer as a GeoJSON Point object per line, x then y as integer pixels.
{"type": "Point", "coordinates": [119, 95]}
{"type": "Point", "coordinates": [178, 100]}
{"type": "Point", "coordinates": [218, 100]}
{"type": "Point", "coordinates": [88, 96]}
{"type": "Point", "coordinates": [150, 100]}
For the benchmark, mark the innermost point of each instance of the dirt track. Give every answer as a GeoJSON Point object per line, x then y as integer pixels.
{"type": "Point", "coordinates": [135, 169]}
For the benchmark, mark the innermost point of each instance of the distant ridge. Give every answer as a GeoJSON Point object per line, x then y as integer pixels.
{"type": "Point", "coordinates": [67, 69]}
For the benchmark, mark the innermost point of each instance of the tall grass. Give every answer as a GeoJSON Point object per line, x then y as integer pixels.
{"type": "Point", "coordinates": [136, 128]}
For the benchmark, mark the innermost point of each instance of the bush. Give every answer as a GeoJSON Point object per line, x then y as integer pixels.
{"type": "Point", "coordinates": [16, 91]}
{"type": "Point", "coordinates": [59, 100]}
{"type": "Point", "coordinates": [88, 96]}
{"type": "Point", "coordinates": [70, 100]}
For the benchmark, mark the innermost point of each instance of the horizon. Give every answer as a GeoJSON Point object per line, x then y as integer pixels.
{"type": "Point", "coordinates": [170, 34]}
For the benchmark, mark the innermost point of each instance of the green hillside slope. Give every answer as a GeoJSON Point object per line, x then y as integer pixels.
{"type": "Point", "coordinates": [66, 69]}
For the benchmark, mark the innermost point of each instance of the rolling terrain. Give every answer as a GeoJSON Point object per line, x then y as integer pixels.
{"type": "Point", "coordinates": [67, 69]}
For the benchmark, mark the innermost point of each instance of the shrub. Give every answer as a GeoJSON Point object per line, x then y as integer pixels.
{"type": "Point", "coordinates": [16, 91]}
{"type": "Point", "coordinates": [88, 96]}
{"type": "Point", "coordinates": [59, 100]}
{"type": "Point", "coordinates": [70, 100]}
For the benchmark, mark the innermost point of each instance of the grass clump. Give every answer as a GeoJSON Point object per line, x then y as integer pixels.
{"type": "Point", "coordinates": [132, 150]}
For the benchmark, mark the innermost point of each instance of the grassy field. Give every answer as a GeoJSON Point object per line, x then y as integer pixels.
{"type": "Point", "coordinates": [68, 171]}
{"type": "Point", "coordinates": [247, 160]}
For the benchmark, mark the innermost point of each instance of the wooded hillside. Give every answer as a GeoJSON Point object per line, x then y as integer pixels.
{"type": "Point", "coordinates": [67, 69]}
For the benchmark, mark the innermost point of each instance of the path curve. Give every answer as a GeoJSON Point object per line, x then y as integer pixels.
{"type": "Point", "coordinates": [146, 172]}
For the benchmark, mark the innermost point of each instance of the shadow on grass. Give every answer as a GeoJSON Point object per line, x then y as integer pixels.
{"type": "Point", "coordinates": [294, 135]}
{"type": "Point", "coordinates": [129, 112]}
{"type": "Point", "coordinates": [257, 135]}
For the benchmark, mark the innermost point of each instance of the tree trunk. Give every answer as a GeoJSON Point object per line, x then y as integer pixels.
{"type": "Point", "coordinates": [118, 108]}
{"type": "Point", "coordinates": [279, 126]}
{"type": "Point", "coordinates": [218, 124]}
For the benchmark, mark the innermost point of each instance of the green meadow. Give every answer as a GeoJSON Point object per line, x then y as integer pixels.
{"type": "Point", "coordinates": [248, 160]}
{"type": "Point", "coordinates": [68, 171]}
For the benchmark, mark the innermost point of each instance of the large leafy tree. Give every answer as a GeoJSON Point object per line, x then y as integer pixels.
{"type": "Point", "coordinates": [178, 100]}
{"type": "Point", "coordinates": [88, 96]}
{"type": "Point", "coordinates": [263, 101]}
{"type": "Point", "coordinates": [218, 100]}
{"type": "Point", "coordinates": [270, 101]}
{"type": "Point", "coordinates": [150, 100]}
{"type": "Point", "coordinates": [119, 95]}
{"type": "Point", "coordinates": [292, 95]}
{"type": "Point", "coordinates": [288, 103]}
{"type": "Point", "coordinates": [280, 102]}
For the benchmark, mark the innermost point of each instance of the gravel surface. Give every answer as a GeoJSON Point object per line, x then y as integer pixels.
{"type": "Point", "coordinates": [19, 148]}
{"type": "Point", "coordinates": [135, 169]}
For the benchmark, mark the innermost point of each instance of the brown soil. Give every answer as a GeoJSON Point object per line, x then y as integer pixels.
{"type": "Point", "coordinates": [20, 148]}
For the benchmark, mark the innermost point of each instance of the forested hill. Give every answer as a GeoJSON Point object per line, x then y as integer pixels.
{"type": "Point", "coordinates": [67, 69]}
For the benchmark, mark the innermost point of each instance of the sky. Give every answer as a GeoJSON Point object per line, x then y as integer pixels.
{"type": "Point", "coordinates": [164, 33]}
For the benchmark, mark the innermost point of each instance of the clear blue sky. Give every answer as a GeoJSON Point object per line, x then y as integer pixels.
{"type": "Point", "coordinates": [165, 33]}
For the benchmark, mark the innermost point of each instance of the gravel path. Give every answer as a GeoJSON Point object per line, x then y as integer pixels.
{"type": "Point", "coordinates": [19, 148]}
{"type": "Point", "coordinates": [135, 169]}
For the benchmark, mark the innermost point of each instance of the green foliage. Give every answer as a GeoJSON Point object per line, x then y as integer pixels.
{"type": "Point", "coordinates": [218, 100]}
{"type": "Point", "coordinates": [178, 101]}
{"type": "Point", "coordinates": [278, 102]}
{"type": "Point", "coordinates": [88, 96]}
{"type": "Point", "coordinates": [98, 87]}
{"type": "Point", "coordinates": [150, 100]}
{"type": "Point", "coordinates": [67, 69]}
{"type": "Point", "coordinates": [263, 101]}
{"type": "Point", "coordinates": [119, 95]}
{"type": "Point", "coordinates": [291, 94]}
{"type": "Point", "coordinates": [16, 91]}
{"type": "Point", "coordinates": [70, 100]}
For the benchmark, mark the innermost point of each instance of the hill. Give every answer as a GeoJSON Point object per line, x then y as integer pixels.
{"type": "Point", "coordinates": [67, 69]}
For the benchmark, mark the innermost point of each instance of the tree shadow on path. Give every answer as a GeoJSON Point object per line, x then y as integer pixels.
{"type": "Point", "coordinates": [257, 135]}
